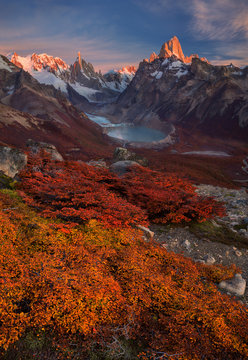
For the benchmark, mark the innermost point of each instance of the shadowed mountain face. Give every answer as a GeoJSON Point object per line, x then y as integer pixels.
{"type": "Point", "coordinates": [195, 96]}
{"type": "Point", "coordinates": [29, 109]}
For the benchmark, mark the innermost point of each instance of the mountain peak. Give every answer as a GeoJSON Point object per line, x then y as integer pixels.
{"type": "Point", "coordinates": [80, 60]}
{"type": "Point", "coordinates": [153, 56]}
{"type": "Point", "coordinates": [38, 62]}
{"type": "Point", "coordinates": [170, 48]}
{"type": "Point", "coordinates": [173, 48]}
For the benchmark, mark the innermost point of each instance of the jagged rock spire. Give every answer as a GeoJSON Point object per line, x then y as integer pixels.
{"type": "Point", "coordinates": [172, 47]}
{"type": "Point", "coordinates": [80, 60]}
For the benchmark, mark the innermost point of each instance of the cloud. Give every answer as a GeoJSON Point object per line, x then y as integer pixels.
{"type": "Point", "coordinates": [220, 19]}
{"type": "Point", "coordinates": [237, 55]}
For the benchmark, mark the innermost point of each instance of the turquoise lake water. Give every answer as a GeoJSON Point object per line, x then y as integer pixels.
{"type": "Point", "coordinates": [128, 132]}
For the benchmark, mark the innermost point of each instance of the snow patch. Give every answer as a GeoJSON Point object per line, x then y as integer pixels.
{"type": "Point", "coordinates": [176, 64]}
{"type": "Point", "coordinates": [84, 91]}
{"type": "Point", "coordinates": [47, 78]}
{"type": "Point", "coordinates": [181, 72]}
{"type": "Point", "coordinates": [159, 75]}
{"type": "Point", "coordinates": [4, 65]}
{"type": "Point", "coordinates": [165, 62]}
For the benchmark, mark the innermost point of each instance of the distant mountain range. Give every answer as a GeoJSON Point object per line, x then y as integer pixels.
{"type": "Point", "coordinates": [80, 77]}
{"type": "Point", "coordinates": [43, 97]}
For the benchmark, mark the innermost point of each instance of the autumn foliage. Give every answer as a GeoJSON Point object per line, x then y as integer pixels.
{"type": "Point", "coordinates": [78, 281]}
{"type": "Point", "coordinates": [103, 291]}
{"type": "Point", "coordinates": [76, 192]}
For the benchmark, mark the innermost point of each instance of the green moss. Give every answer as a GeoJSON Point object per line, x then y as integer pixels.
{"type": "Point", "coordinates": [6, 182]}
{"type": "Point", "coordinates": [218, 233]}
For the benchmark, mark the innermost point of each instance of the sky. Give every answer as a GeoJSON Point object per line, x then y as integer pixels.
{"type": "Point", "coordinates": [115, 33]}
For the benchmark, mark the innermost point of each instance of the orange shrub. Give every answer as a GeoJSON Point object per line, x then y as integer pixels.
{"type": "Point", "coordinates": [104, 286]}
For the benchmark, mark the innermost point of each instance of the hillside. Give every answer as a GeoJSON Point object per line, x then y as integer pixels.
{"type": "Point", "coordinates": [77, 281]}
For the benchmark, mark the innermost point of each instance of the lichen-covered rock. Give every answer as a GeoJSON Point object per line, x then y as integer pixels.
{"type": "Point", "coordinates": [35, 147]}
{"type": "Point", "coordinates": [11, 161]}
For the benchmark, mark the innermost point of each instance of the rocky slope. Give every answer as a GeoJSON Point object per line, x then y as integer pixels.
{"type": "Point", "coordinates": [29, 109]}
{"type": "Point", "coordinates": [194, 96]}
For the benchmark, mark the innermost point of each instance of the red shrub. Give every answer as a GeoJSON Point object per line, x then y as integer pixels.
{"type": "Point", "coordinates": [168, 199]}
{"type": "Point", "coordinates": [76, 192]}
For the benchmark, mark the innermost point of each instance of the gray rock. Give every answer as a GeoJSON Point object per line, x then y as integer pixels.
{"type": "Point", "coordinates": [235, 286]}
{"type": "Point", "coordinates": [97, 163]}
{"type": "Point", "coordinates": [238, 253]}
{"type": "Point", "coordinates": [35, 147]}
{"type": "Point", "coordinates": [11, 161]}
{"type": "Point", "coordinates": [122, 167]}
{"type": "Point", "coordinates": [200, 261]}
{"type": "Point", "coordinates": [209, 259]}
{"type": "Point", "coordinates": [123, 154]}
{"type": "Point", "coordinates": [242, 231]}
{"type": "Point", "coordinates": [187, 245]}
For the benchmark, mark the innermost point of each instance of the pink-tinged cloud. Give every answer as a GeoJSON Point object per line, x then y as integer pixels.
{"type": "Point", "coordinates": [220, 19]}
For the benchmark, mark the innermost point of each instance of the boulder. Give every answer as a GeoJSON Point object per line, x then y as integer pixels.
{"type": "Point", "coordinates": [122, 167]}
{"type": "Point", "coordinates": [36, 146]}
{"type": "Point", "coordinates": [235, 286]}
{"type": "Point", "coordinates": [209, 259]}
{"type": "Point", "coordinates": [97, 163]}
{"type": "Point", "coordinates": [12, 161]}
{"type": "Point", "coordinates": [123, 154]}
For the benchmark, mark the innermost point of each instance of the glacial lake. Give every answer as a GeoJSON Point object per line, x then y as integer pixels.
{"type": "Point", "coordinates": [136, 134]}
{"type": "Point", "coordinates": [128, 132]}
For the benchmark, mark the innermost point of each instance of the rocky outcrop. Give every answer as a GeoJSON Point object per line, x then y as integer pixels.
{"type": "Point", "coordinates": [123, 154]}
{"type": "Point", "coordinates": [35, 147]}
{"type": "Point", "coordinates": [236, 205]}
{"type": "Point", "coordinates": [11, 161]}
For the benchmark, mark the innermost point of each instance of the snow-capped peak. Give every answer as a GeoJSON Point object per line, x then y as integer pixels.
{"type": "Point", "coordinates": [38, 62]}
{"type": "Point", "coordinates": [127, 70]}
